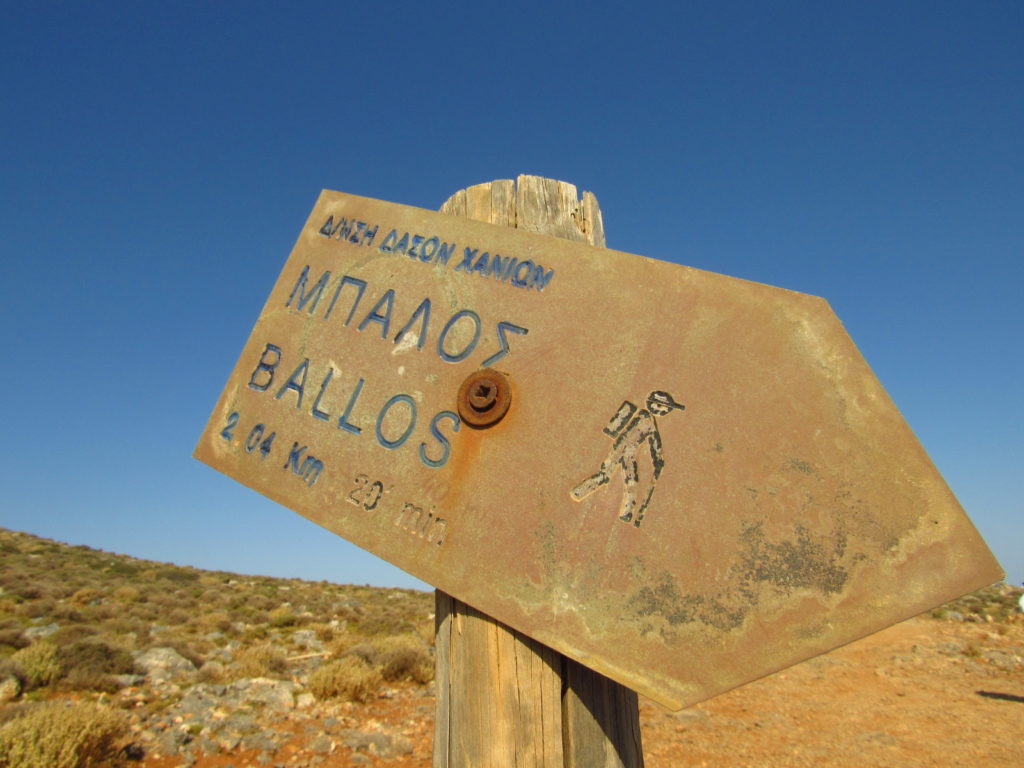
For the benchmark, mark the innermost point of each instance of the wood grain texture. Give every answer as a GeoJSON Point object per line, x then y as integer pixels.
{"type": "Point", "coordinates": [503, 699]}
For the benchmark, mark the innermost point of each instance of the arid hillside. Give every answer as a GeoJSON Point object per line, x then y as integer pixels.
{"type": "Point", "coordinates": [114, 660]}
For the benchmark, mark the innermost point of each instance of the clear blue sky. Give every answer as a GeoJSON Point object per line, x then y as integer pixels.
{"type": "Point", "coordinates": [159, 159]}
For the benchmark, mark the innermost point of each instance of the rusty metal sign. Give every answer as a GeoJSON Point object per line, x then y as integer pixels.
{"type": "Point", "coordinates": [682, 480]}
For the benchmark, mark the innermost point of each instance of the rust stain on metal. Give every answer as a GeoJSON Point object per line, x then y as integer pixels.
{"type": "Point", "coordinates": [700, 480]}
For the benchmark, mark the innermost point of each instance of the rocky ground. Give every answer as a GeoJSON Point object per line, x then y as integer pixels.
{"type": "Point", "coordinates": [923, 693]}
{"type": "Point", "coordinates": [210, 670]}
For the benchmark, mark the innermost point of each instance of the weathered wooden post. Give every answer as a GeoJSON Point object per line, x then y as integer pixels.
{"type": "Point", "coordinates": [504, 699]}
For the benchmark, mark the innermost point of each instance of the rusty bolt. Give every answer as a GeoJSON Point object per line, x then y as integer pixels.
{"type": "Point", "coordinates": [483, 394]}
{"type": "Point", "coordinates": [484, 398]}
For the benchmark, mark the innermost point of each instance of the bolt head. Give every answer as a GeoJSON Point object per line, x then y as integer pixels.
{"type": "Point", "coordinates": [484, 398]}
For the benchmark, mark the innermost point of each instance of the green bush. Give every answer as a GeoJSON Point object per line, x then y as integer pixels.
{"type": "Point", "coordinates": [39, 663]}
{"type": "Point", "coordinates": [349, 679]}
{"type": "Point", "coordinates": [55, 735]}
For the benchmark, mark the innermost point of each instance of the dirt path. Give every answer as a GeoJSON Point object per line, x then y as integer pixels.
{"type": "Point", "coordinates": [922, 693]}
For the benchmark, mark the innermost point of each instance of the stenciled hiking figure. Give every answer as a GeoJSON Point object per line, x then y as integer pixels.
{"type": "Point", "coordinates": [631, 428]}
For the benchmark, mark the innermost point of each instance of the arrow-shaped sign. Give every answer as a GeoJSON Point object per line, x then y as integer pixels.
{"type": "Point", "coordinates": [682, 480]}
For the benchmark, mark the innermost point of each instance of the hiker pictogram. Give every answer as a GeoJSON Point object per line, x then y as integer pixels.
{"type": "Point", "coordinates": [631, 428]}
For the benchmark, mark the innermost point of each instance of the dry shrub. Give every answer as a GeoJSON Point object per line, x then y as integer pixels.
{"type": "Point", "coordinates": [73, 633]}
{"type": "Point", "coordinates": [324, 632]}
{"type": "Point", "coordinates": [342, 640]}
{"type": "Point", "coordinates": [14, 638]}
{"type": "Point", "coordinates": [364, 651]}
{"type": "Point", "coordinates": [385, 623]}
{"type": "Point", "coordinates": [211, 672]}
{"type": "Point", "coordinates": [122, 625]}
{"type": "Point", "coordinates": [39, 662]}
{"type": "Point", "coordinates": [8, 669]}
{"type": "Point", "coordinates": [28, 591]}
{"type": "Point", "coordinates": [217, 620]}
{"type": "Point", "coordinates": [64, 612]}
{"type": "Point", "coordinates": [260, 661]}
{"type": "Point", "coordinates": [89, 679]}
{"type": "Point", "coordinates": [260, 602]}
{"type": "Point", "coordinates": [126, 594]}
{"type": "Point", "coordinates": [177, 617]}
{"type": "Point", "coordinates": [405, 657]}
{"type": "Point", "coordinates": [426, 631]}
{"type": "Point", "coordinates": [89, 665]}
{"type": "Point", "coordinates": [56, 735]}
{"type": "Point", "coordinates": [36, 609]}
{"type": "Point", "coordinates": [99, 614]}
{"type": "Point", "coordinates": [282, 617]}
{"type": "Point", "coordinates": [349, 679]}
{"type": "Point", "coordinates": [84, 596]}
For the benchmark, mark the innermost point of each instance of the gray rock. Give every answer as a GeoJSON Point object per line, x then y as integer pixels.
{"type": "Point", "coordinates": [228, 742]}
{"type": "Point", "coordinates": [34, 633]}
{"type": "Point", "coordinates": [173, 741]}
{"type": "Point", "coordinates": [124, 681]}
{"type": "Point", "coordinates": [322, 743]}
{"type": "Point", "coordinates": [263, 740]}
{"type": "Point", "coordinates": [207, 745]}
{"type": "Point", "coordinates": [381, 744]}
{"type": "Point", "coordinates": [307, 638]}
{"type": "Point", "coordinates": [199, 701]}
{"type": "Point", "coordinates": [220, 654]}
{"type": "Point", "coordinates": [162, 664]}
{"type": "Point", "coordinates": [239, 723]}
{"type": "Point", "coordinates": [277, 694]}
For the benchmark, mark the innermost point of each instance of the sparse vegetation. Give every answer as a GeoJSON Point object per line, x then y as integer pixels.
{"type": "Point", "coordinates": [405, 658]}
{"type": "Point", "coordinates": [39, 663]}
{"type": "Point", "coordinates": [73, 619]}
{"type": "Point", "coordinates": [996, 603]}
{"type": "Point", "coordinates": [349, 679]}
{"type": "Point", "coordinates": [62, 735]}
{"type": "Point", "coordinates": [264, 660]}
{"type": "Point", "coordinates": [75, 622]}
